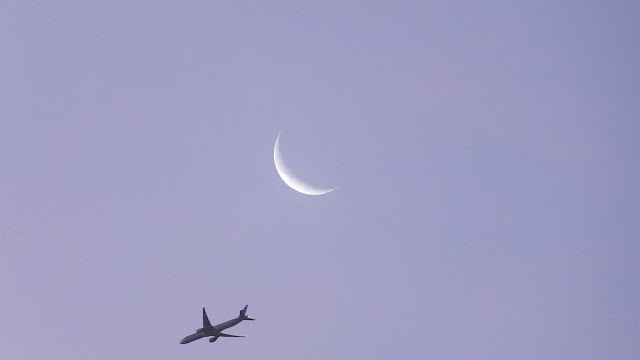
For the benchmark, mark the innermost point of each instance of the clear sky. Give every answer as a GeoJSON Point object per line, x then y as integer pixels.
{"type": "Point", "coordinates": [485, 156]}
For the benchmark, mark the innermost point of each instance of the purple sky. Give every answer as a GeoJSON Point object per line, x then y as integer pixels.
{"type": "Point", "coordinates": [485, 155]}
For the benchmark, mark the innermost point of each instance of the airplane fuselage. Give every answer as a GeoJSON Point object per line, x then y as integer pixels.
{"type": "Point", "coordinates": [193, 337]}
{"type": "Point", "coordinates": [212, 331]}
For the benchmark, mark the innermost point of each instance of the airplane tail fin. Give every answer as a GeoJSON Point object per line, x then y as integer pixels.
{"type": "Point", "coordinates": [243, 314]}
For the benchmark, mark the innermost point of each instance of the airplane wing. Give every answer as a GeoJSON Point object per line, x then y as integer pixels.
{"type": "Point", "coordinates": [228, 335]}
{"type": "Point", "coordinates": [205, 319]}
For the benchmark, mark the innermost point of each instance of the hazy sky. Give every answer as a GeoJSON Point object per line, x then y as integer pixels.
{"type": "Point", "coordinates": [485, 156]}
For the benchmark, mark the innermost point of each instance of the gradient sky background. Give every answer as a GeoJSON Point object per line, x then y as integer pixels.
{"type": "Point", "coordinates": [486, 159]}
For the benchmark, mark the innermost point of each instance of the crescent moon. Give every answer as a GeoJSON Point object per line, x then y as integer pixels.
{"type": "Point", "coordinates": [290, 179]}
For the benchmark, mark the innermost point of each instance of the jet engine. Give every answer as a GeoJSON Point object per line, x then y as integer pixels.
{"type": "Point", "coordinates": [212, 339]}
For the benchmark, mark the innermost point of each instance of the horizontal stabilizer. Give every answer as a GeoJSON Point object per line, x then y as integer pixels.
{"type": "Point", "coordinates": [228, 335]}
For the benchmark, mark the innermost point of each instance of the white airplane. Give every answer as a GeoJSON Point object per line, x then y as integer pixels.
{"type": "Point", "coordinates": [216, 331]}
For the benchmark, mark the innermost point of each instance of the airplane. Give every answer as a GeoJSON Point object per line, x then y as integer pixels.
{"type": "Point", "coordinates": [214, 332]}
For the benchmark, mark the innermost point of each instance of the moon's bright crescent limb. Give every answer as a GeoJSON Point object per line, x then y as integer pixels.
{"type": "Point", "coordinates": [287, 176]}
